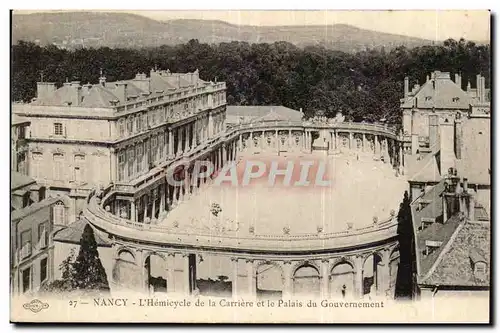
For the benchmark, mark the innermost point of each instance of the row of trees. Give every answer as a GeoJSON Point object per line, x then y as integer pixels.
{"type": "Point", "coordinates": [366, 85]}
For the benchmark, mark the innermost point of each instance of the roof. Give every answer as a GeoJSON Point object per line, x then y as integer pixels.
{"type": "Point", "coordinates": [17, 120]}
{"type": "Point", "coordinates": [237, 114]}
{"type": "Point", "coordinates": [73, 233]}
{"type": "Point", "coordinates": [440, 92]}
{"type": "Point", "coordinates": [18, 180]}
{"type": "Point", "coordinates": [98, 96]}
{"type": "Point", "coordinates": [32, 209]}
{"type": "Point", "coordinates": [434, 208]}
{"type": "Point", "coordinates": [423, 169]}
{"type": "Point", "coordinates": [455, 267]}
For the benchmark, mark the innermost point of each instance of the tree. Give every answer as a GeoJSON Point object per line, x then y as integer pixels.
{"type": "Point", "coordinates": [404, 281]}
{"type": "Point", "coordinates": [66, 283]}
{"type": "Point", "coordinates": [88, 272]}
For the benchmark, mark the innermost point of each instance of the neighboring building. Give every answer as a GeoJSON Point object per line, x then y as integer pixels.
{"type": "Point", "coordinates": [88, 136]}
{"type": "Point", "coordinates": [245, 114]}
{"type": "Point", "coordinates": [440, 96]}
{"type": "Point", "coordinates": [19, 145]}
{"type": "Point", "coordinates": [32, 219]}
{"type": "Point", "coordinates": [450, 188]}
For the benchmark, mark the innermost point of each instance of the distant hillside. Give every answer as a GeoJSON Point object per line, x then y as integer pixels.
{"type": "Point", "coordinates": [91, 29]}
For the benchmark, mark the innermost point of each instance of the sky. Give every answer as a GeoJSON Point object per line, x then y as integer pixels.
{"type": "Point", "coordinates": [428, 24]}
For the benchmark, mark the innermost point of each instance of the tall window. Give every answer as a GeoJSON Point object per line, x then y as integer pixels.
{"type": "Point", "coordinates": [131, 160]}
{"type": "Point", "coordinates": [58, 166]}
{"type": "Point", "coordinates": [79, 168]}
{"type": "Point", "coordinates": [144, 121]}
{"type": "Point", "coordinates": [25, 244]}
{"type": "Point", "coordinates": [121, 165]}
{"type": "Point", "coordinates": [161, 145]}
{"type": "Point", "coordinates": [154, 145]}
{"type": "Point", "coordinates": [26, 279]}
{"type": "Point", "coordinates": [58, 129]}
{"type": "Point", "coordinates": [139, 158]}
{"type": "Point", "coordinates": [43, 235]}
{"type": "Point", "coordinates": [129, 125]}
{"type": "Point", "coordinates": [36, 165]}
{"type": "Point", "coordinates": [43, 270]}
{"type": "Point", "coordinates": [138, 123]}
{"type": "Point", "coordinates": [121, 127]}
{"type": "Point", "coordinates": [58, 214]}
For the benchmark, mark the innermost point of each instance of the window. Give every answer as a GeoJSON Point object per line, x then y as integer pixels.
{"type": "Point", "coordinates": [58, 216]}
{"type": "Point", "coordinates": [144, 121]}
{"type": "Point", "coordinates": [79, 168]}
{"type": "Point", "coordinates": [25, 244]}
{"type": "Point", "coordinates": [140, 157]}
{"type": "Point", "coordinates": [43, 235]}
{"type": "Point", "coordinates": [58, 129]}
{"type": "Point", "coordinates": [121, 165]}
{"type": "Point", "coordinates": [26, 279]}
{"type": "Point", "coordinates": [131, 160]}
{"type": "Point", "coordinates": [121, 127]}
{"type": "Point", "coordinates": [129, 125]}
{"type": "Point", "coordinates": [43, 270]}
{"type": "Point", "coordinates": [138, 123]}
{"type": "Point", "coordinates": [58, 166]}
{"type": "Point", "coordinates": [22, 132]}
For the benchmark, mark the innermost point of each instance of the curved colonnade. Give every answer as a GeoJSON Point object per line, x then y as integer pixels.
{"type": "Point", "coordinates": [350, 263]}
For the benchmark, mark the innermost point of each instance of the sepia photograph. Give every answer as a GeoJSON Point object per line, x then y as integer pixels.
{"type": "Point", "coordinates": [250, 166]}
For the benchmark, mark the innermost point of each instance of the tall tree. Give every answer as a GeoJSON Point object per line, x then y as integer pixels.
{"type": "Point", "coordinates": [404, 281]}
{"type": "Point", "coordinates": [89, 274]}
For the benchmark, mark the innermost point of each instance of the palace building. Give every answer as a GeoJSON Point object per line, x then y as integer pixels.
{"type": "Point", "coordinates": [83, 136]}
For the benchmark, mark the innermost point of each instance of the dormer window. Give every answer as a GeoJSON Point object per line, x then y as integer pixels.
{"type": "Point", "coordinates": [478, 263]}
{"type": "Point", "coordinates": [428, 98]}
{"type": "Point", "coordinates": [455, 99]}
{"type": "Point", "coordinates": [431, 246]}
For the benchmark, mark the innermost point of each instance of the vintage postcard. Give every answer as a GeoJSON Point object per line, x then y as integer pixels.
{"type": "Point", "coordinates": [250, 166]}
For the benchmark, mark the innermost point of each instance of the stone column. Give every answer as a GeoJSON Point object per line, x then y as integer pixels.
{"type": "Point", "coordinates": [186, 275]}
{"type": "Point", "coordinates": [325, 278]}
{"type": "Point", "coordinates": [133, 214]}
{"type": "Point", "coordinates": [113, 165]}
{"type": "Point", "coordinates": [224, 153]}
{"type": "Point", "coordinates": [351, 141]}
{"type": "Point", "coordinates": [186, 141]}
{"type": "Point", "coordinates": [179, 140]}
{"type": "Point", "coordinates": [170, 151]}
{"type": "Point", "coordinates": [289, 138]}
{"type": "Point", "coordinates": [358, 275]}
{"type": "Point", "coordinates": [162, 199]}
{"type": "Point", "coordinates": [145, 203]}
{"type": "Point", "coordinates": [234, 287]}
{"type": "Point", "coordinates": [170, 273]}
{"type": "Point", "coordinates": [276, 143]}
{"type": "Point", "coordinates": [141, 263]}
{"type": "Point", "coordinates": [252, 279]}
{"type": "Point", "coordinates": [364, 143]}
{"type": "Point", "coordinates": [240, 143]}
{"type": "Point", "coordinates": [383, 273]}
{"type": "Point", "coordinates": [153, 208]}
{"type": "Point", "coordinates": [287, 275]}
{"type": "Point", "coordinates": [376, 146]}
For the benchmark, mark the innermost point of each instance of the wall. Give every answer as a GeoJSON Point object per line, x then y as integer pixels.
{"type": "Point", "coordinates": [73, 128]}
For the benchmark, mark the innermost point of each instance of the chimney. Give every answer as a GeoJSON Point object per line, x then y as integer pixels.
{"type": "Point", "coordinates": [427, 78]}
{"type": "Point", "coordinates": [447, 140]}
{"type": "Point", "coordinates": [466, 185]}
{"type": "Point", "coordinates": [458, 138]}
{"type": "Point", "coordinates": [407, 86]}
{"type": "Point", "coordinates": [45, 89]}
{"type": "Point", "coordinates": [86, 88]}
{"type": "Point", "coordinates": [468, 86]}
{"type": "Point", "coordinates": [102, 81]}
{"type": "Point", "coordinates": [478, 86]}
{"type": "Point", "coordinates": [433, 130]}
{"type": "Point", "coordinates": [121, 91]}
{"type": "Point", "coordinates": [414, 144]}
{"type": "Point", "coordinates": [483, 89]}
{"type": "Point", "coordinates": [458, 79]}
{"type": "Point", "coordinates": [76, 93]}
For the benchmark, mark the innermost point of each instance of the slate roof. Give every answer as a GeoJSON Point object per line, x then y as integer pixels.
{"type": "Point", "coordinates": [237, 114]}
{"type": "Point", "coordinates": [439, 93]}
{"type": "Point", "coordinates": [32, 209]}
{"type": "Point", "coordinates": [73, 233]}
{"type": "Point", "coordinates": [18, 180]}
{"type": "Point", "coordinates": [456, 265]}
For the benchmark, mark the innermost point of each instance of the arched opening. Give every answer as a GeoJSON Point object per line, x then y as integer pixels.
{"type": "Point", "coordinates": [270, 281]}
{"type": "Point", "coordinates": [156, 274]}
{"type": "Point", "coordinates": [214, 276]}
{"type": "Point", "coordinates": [126, 273]}
{"type": "Point", "coordinates": [371, 274]}
{"type": "Point", "coordinates": [306, 281]}
{"type": "Point", "coordinates": [393, 270]}
{"type": "Point", "coordinates": [342, 280]}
